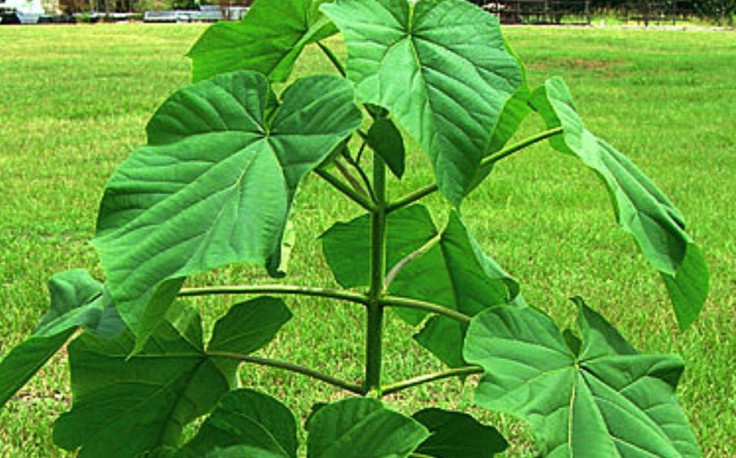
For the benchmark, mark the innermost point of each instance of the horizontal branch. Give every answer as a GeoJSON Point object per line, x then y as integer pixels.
{"type": "Point", "coordinates": [488, 160]}
{"type": "Point", "coordinates": [433, 377]}
{"type": "Point", "coordinates": [296, 290]}
{"type": "Point", "coordinates": [291, 367]}
{"type": "Point", "coordinates": [396, 301]}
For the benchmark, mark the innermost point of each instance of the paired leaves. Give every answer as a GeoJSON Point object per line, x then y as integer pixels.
{"type": "Point", "coordinates": [440, 67]}
{"type": "Point", "coordinates": [641, 208]}
{"type": "Point", "coordinates": [598, 398]}
{"type": "Point", "coordinates": [77, 300]}
{"type": "Point", "coordinates": [268, 40]}
{"type": "Point", "coordinates": [124, 406]}
{"type": "Point", "coordinates": [447, 268]}
{"type": "Point", "coordinates": [214, 185]}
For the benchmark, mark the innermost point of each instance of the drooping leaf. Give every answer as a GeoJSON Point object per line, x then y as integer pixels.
{"type": "Point", "coordinates": [458, 435]}
{"type": "Point", "coordinates": [215, 184]}
{"type": "Point", "coordinates": [440, 67]}
{"type": "Point", "coordinates": [124, 406]}
{"type": "Point", "coordinates": [268, 40]}
{"type": "Point", "coordinates": [253, 423]}
{"type": "Point", "coordinates": [362, 428]}
{"type": "Point", "coordinates": [385, 139]}
{"type": "Point", "coordinates": [453, 271]}
{"type": "Point", "coordinates": [77, 300]}
{"type": "Point", "coordinates": [641, 208]}
{"type": "Point", "coordinates": [607, 401]}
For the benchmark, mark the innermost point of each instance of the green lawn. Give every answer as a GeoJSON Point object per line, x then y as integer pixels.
{"type": "Point", "coordinates": [74, 101]}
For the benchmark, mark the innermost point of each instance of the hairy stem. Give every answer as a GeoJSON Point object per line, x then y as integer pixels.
{"type": "Point", "coordinates": [488, 160]}
{"type": "Point", "coordinates": [427, 378]}
{"type": "Point", "coordinates": [374, 331]}
{"type": "Point", "coordinates": [333, 58]}
{"type": "Point", "coordinates": [328, 293]}
{"type": "Point", "coordinates": [345, 189]}
{"type": "Point", "coordinates": [353, 388]}
{"type": "Point", "coordinates": [396, 301]}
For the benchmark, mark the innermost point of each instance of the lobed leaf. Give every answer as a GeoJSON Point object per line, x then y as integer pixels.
{"type": "Point", "coordinates": [458, 435]}
{"type": "Point", "coordinates": [215, 184]}
{"type": "Point", "coordinates": [125, 406]}
{"type": "Point", "coordinates": [606, 401]}
{"type": "Point", "coordinates": [268, 40]}
{"type": "Point", "coordinates": [440, 67]}
{"type": "Point", "coordinates": [641, 208]}
{"type": "Point", "coordinates": [362, 428]}
{"type": "Point", "coordinates": [77, 300]}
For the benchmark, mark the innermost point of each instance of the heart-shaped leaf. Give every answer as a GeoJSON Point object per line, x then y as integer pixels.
{"type": "Point", "coordinates": [268, 40]}
{"type": "Point", "coordinates": [77, 300]}
{"type": "Point", "coordinates": [124, 406]}
{"type": "Point", "coordinates": [641, 208]}
{"type": "Point", "coordinates": [215, 184]}
{"type": "Point", "coordinates": [362, 428]}
{"type": "Point", "coordinates": [458, 435]}
{"type": "Point", "coordinates": [608, 400]}
{"type": "Point", "coordinates": [440, 67]}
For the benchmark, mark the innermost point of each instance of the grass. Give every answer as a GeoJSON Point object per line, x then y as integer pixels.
{"type": "Point", "coordinates": [75, 100]}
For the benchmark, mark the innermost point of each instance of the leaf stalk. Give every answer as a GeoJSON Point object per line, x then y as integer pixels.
{"type": "Point", "coordinates": [396, 301]}
{"type": "Point", "coordinates": [427, 378]}
{"type": "Point", "coordinates": [297, 290]}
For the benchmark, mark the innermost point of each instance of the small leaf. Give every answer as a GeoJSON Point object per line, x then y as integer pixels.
{"type": "Point", "coordinates": [215, 184]}
{"type": "Point", "coordinates": [247, 421]}
{"type": "Point", "coordinates": [608, 399]}
{"type": "Point", "coordinates": [268, 40]}
{"type": "Point", "coordinates": [77, 300]}
{"type": "Point", "coordinates": [362, 428]}
{"type": "Point", "coordinates": [641, 208]}
{"type": "Point", "coordinates": [440, 67]}
{"type": "Point", "coordinates": [385, 139]}
{"type": "Point", "coordinates": [458, 435]}
{"type": "Point", "coordinates": [124, 406]}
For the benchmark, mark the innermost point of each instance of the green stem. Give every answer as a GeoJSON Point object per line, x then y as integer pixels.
{"type": "Point", "coordinates": [488, 160]}
{"type": "Point", "coordinates": [345, 189]}
{"type": "Point", "coordinates": [291, 367]}
{"type": "Point", "coordinates": [328, 293]}
{"type": "Point", "coordinates": [396, 301]}
{"type": "Point", "coordinates": [357, 186]}
{"type": "Point", "coordinates": [333, 58]}
{"type": "Point", "coordinates": [427, 378]}
{"type": "Point", "coordinates": [374, 332]}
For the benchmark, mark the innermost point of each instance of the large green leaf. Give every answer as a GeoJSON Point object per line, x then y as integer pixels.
{"type": "Point", "coordinates": [245, 420]}
{"type": "Point", "coordinates": [268, 40]}
{"type": "Point", "coordinates": [215, 184]}
{"type": "Point", "coordinates": [440, 67]}
{"type": "Point", "coordinates": [606, 401]}
{"type": "Point", "coordinates": [124, 406]}
{"type": "Point", "coordinates": [453, 272]}
{"type": "Point", "coordinates": [458, 435]}
{"type": "Point", "coordinates": [641, 208]}
{"type": "Point", "coordinates": [77, 300]}
{"type": "Point", "coordinates": [362, 428]}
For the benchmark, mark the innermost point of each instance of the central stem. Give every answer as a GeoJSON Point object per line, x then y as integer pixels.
{"type": "Point", "coordinates": [374, 337]}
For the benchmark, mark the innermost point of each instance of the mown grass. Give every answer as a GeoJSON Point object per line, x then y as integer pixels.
{"type": "Point", "coordinates": [75, 100]}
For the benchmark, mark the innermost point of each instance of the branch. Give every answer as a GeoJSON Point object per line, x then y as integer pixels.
{"type": "Point", "coordinates": [395, 301]}
{"type": "Point", "coordinates": [343, 188]}
{"type": "Point", "coordinates": [329, 293]}
{"type": "Point", "coordinates": [488, 160]}
{"type": "Point", "coordinates": [353, 388]}
{"type": "Point", "coordinates": [409, 258]}
{"type": "Point", "coordinates": [422, 379]}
